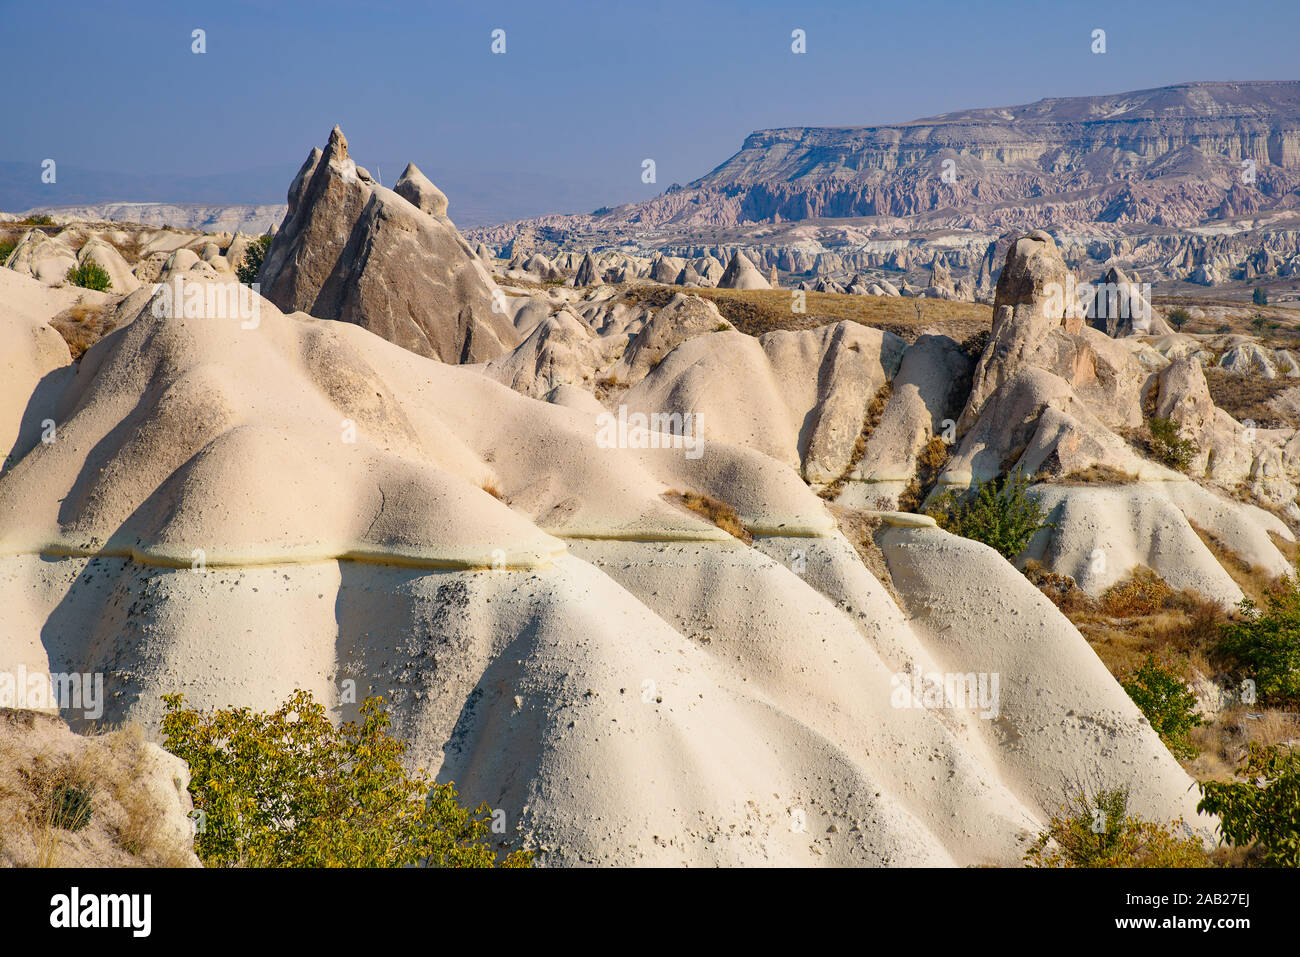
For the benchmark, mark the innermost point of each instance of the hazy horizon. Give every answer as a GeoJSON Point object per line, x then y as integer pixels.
{"type": "Point", "coordinates": [563, 119]}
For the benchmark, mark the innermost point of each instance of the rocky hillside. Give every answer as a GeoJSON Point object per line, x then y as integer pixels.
{"type": "Point", "coordinates": [656, 587]}
{"type": "Point", "coordinates": [1169, 156]}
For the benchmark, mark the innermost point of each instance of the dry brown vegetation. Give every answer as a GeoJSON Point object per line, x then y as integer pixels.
{"type": "Point", "coordinates": [875, 411]}
{"type": "Point", "coordinates": [82, 326]}
{"type": "Point", "coordinates": [1143, 615]}
{"type": "Point", "coordinates": [1247, 397]}
{"type": "Point", "coordinates": [756, 311]}
{"type": "Point", "coordinates": [718, 512]}
{"type": "Point", "coordinates": [490, 486]}
{"type": "Point", "coordinates": [71, 800]}
{"type": "Point", "coordinates": [1093, 475]}
{"type": "Point", "coordinates": [930, 463]}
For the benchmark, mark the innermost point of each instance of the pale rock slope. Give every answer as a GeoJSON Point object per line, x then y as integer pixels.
{"type": "Point", "coordinates": [233, 511]}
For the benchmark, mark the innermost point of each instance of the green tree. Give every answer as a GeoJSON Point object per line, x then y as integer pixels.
{"type": "Point", "coordinates": [1259, 297]}
{"type": "Point", "coordinates": [1000, 512]}
{"type": "Point", "coordinates": [90, 275]}
{"type": "Point", "coordinates": [287, 789]}
{"type": "Point", "coordinates": [1097, 831]}
{"type": "Point", "coordinates": [1264, 808]}
{"type": "Point", "coordinates": [1179, 317]}
{"type": "Point", "coordinates": [1258, 323]}
{"type": "Point", "coordinates": [1265, 643]}
{"type": "Point", "coordinates": [1167, 703]}
{"type": "Point", "coordinates": [251, 264]}
{"type": "Point", "coordinates": [1168, 444]}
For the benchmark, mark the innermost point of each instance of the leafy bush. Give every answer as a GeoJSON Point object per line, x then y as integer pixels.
{"type": "Point", "coordinates": [41, 220]}
{"type": "Point", "coordinates": [1179, 317]}
{"type": "Point", "coordinates": [1266, 643]}
{"type": "Point", "coordinates": [1168, 444]}
{"type": "Point", "coordinates": [251, 264]}
{"type": "Point", "coordinates": [1265, 808]}
{"type": "Point", "coordinates": [1258, 323]}
{"type": "Point", "coordinates": [1167, 703]}
{"type": "Point", "coordinates": [90, 275]}
{"type": "Point", "coordinates": [7, 246]}
{"type": "Point", "coordinates": [1259, 297]}
{"type": "Point", "coordinates": [287, 789]}
{"type": "Point", "coordinates": [1000, 513]}
{"type": "Point", "coordinates": [1097, 832]}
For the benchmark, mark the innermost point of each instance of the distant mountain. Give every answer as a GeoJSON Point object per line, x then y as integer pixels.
{"type": "Point", "coordinates": [1164, 157]}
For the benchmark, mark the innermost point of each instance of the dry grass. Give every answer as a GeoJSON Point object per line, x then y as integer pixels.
{"type": "Point", "coordinates": [1092, 475]}
{"type": "Point", "coordinates": [875, 411]}
{"type": "Point", "coordinates": [756, 311]}
{"type": "Point", "coordinates": [718, 512]}
{"type": "Point", "coordinates": [82, 326]}
{"type": "Point", "coordinates": [1248, 397]}
{"type": "Point", "coordinates": [1254, 582]}
{"type": "Point", "coordinates": [490, 486]}
{"type": "Point", "coordinates": [930, 463]}
{"type": "Point", "coordinates": [73, 800]}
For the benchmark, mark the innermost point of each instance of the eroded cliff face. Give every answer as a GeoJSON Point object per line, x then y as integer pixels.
{"type": "Point", "coordinates": [1168, 157]}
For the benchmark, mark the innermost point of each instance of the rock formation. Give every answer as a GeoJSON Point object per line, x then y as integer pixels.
{"type": "Point", "coordinates": [352, 250]}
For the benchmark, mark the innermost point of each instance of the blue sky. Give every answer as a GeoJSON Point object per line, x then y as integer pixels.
{"type": "Point", "coordinates": [584, 92]}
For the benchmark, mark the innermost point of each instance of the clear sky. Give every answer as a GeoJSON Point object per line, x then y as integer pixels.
{"type": "Point", "coordinates": [585, 90]}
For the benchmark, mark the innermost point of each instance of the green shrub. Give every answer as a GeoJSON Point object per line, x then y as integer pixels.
{"type": "Point", "coordinates": [90, 275]}
{"type": "Point", "coordinates": [70, 805]}
{"type": "Point", "coordinates": [1259, 297]}
{"type": "Point", "coordinates": [287, 789]}
{"type": "Point", "coordinates": [1265, 644]}
{"type": "Point", "coordinates": [1000, 513]}
{"type": "Point", "coordinates": [251, 264]}
{"type": "Point", "coordinates": [1167, 703]}
{"type": "Point", "coordinates": [7, 246]}
{"type": "Point", "coordinates": [1097, 832]}
{"type": "Point", "coordinates": [1258, 323]}
{"type": "Point", "coordinates": [1265, 808]}
{"type": "Point", "coordinates": [1168, 444]}
{"type": "Point", "coordinates": [1179, 317]}
{"type": "Point", "coordinates": [41, 220]}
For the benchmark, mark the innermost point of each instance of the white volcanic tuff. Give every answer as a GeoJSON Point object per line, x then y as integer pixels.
{"type": "Point", "coordinates": [799, 397]}
{"type": "Point", "coordinates": [525, 686]}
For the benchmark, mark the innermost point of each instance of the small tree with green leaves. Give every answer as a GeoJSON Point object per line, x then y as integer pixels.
{"type": "Point", "coordinates": [1097, 831]}
{"type": "Point", "coordinates": [251, 264]}
{"type": "Point", "coordinates": [1258, 323]}
{"type": "Point", "coordinates": [1168, 444]}
{"type": "Point", "coordinates": [1179, 317]}
{"type": "Point", "coordinates": [1000, 512]}
{"type": "Point", "coordinates": [1259, 297]}
{"type": "Point", "coordinates": [1264, 643]}
{"type": "Point", "coordinates": [1167, 703]}
{"type": "Point", "coordinates": [1264, 808]}
{"type": "Point", "coordinates": [287, 789]}
{"type": "Point", "coordinates": [90, 275]}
